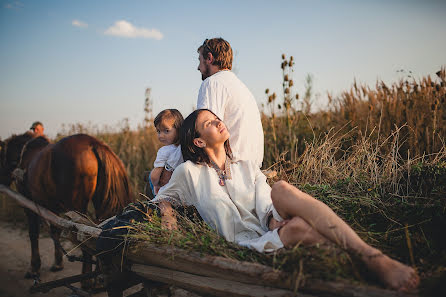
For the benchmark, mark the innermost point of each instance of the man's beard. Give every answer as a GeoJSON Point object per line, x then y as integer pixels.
{"type": "Point", "coordinates": [207, 73]}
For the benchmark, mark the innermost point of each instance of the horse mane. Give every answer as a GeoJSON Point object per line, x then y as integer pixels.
{"type": "Point", "coordinates": [36, 142]}
{"type": "Point", "coordinates": [33, 144]}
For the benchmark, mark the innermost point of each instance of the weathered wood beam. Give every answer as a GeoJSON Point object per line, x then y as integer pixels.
{"type": "Point", "coordinates": [208, 285]}
{"type": "Point", "coordinates": [176, 259]}
{"type": "Point", "coordinates": [212, 266]}
{"type": "Point", "coordinates": [344, 289]}
{"type": "Point", "coordinates": [83, 230]}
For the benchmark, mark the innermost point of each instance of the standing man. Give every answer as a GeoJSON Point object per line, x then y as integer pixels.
{"type": "Point", "coordinates": [37, 129]}
{"type": "Point", "coordinates": [226, 96]}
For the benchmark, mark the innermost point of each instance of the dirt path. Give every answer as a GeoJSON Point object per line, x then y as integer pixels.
{"type": "Point", "coordinates": [15, 258]}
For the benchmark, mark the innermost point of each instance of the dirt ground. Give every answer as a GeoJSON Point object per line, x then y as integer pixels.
{"type": "Point", "coordinates": [15, 258]}
{"type": "Point", "coordinates": [15, 254]}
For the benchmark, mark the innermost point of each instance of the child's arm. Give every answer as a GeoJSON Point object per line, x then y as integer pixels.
{"type": "Point", "coordinates": [155, 175]}
{"type": "Point", "coordinates": [165, 177]}
{"type": "Point", "coordinates": [158, 165]}
{"type": "Point", "coordinates": [159, 177]}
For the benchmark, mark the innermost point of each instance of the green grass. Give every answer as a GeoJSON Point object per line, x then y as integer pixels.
{"type": "Point", "coordinates": [382, 218]}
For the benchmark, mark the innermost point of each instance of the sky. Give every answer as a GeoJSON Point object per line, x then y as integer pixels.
{"type": "Point", "coordinates": [90, 62]}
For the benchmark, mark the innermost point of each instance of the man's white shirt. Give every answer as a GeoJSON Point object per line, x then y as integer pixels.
{"type": "Point", "coordinates": [228, 97]}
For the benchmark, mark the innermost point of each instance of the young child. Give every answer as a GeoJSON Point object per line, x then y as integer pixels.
{"type": "Point", "coordinates": [167, 124]}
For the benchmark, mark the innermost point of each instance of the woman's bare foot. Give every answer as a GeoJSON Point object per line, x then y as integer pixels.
{"type": "Point", "coordinates": [392, 273]}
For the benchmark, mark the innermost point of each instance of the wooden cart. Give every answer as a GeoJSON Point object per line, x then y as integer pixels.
{"type": "Point", "coordinates": [154, 265]}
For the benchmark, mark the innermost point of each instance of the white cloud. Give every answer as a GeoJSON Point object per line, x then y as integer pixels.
{"type": "Point", "coordinates": [79, 24]}
{"type": "Point", "coordinates": [125, 29]}
{"type": "Point", "coordinates": [14, 5]}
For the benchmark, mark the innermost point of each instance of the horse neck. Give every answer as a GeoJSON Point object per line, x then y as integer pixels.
{"type": "Point", "coordinates": [10, 155]}
{"type": "Point", "coordinates": [31, 148]}
{"type": "Point", "coordinates": [11, 152]}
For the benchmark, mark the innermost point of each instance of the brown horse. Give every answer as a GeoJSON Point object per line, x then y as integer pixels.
{"type": "Point", "coordinates": [65, 176]}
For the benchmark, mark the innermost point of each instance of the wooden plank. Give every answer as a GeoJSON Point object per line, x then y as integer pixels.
{"type": "Point", "coordinates": [83, 231]}
{"type": "Point", "coordinates": [208, 285]}
{"type": "Point", "coordinates": [212, 266]}
{"type": "Point", "coordinates": [324, 288]}
{"type": "Point", "coordinates": [47, 286]}
{"type": "Point", "coordinates": [246, 272]}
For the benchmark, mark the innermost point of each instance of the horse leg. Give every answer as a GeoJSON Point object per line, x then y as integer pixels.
{"type": "Point", "coordinates": [33, 230]}
{"type": "Point", "coordinates": [86, 268]}
{"type": "Point", "coordinates": [58, 253]}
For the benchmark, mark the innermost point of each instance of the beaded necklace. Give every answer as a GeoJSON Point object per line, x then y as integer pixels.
{"type": "Point", "coordinates": [223, 174]}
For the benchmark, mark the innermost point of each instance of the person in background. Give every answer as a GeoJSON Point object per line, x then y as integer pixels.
{"type": "Point", "coordinates": [229, 98]}
{"type": "Point", "coordinates": [37, 129]}
{"type": "Point", "coordinates": [167, 124]}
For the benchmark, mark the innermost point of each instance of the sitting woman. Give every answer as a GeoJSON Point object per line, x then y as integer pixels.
{"type": "Point", "coordinates": [233, 197]}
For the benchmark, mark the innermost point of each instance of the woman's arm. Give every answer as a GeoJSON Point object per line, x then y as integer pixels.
{"type": "Point", "coordinates": [176, 192]}
{"type": "Point", "coordinates": [168, 218]}
{"type": "Point", "coordinates": [264, 205]}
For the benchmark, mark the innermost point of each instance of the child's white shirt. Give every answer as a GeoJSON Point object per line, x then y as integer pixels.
{"type": "Point", "coordinates": [169, 157]}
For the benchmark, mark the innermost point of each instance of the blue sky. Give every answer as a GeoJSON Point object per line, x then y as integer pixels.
{"type": "Point", "coordinates": [65, 62]}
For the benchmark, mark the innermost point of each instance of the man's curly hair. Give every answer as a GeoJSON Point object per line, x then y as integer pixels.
{"type": "Point", "coordinates": [221, 51]}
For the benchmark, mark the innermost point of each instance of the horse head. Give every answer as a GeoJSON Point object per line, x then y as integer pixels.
{"type": "Point", "coordinates": [10, 155]}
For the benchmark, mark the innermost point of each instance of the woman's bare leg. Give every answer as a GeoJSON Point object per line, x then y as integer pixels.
{"type": "Point", "coordinates": [296, 230]}
{"type": "Point", "coordinates": [290, 202]}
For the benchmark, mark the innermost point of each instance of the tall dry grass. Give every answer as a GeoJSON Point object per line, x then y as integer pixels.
{"type": "Point", "coordinates": [414, 108]}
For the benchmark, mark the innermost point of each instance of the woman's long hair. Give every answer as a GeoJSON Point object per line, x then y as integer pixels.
{"type": "Point", "coordinates": [188, 133]}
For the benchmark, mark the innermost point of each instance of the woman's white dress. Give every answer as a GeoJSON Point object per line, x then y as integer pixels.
{"type": "Point", "coordinates": [238, 210]}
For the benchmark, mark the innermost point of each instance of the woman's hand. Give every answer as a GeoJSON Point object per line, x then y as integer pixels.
{"type": "Point", "coordinates": [169, 222]}
{"type": "Point", "coordinates": [274, 224]}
